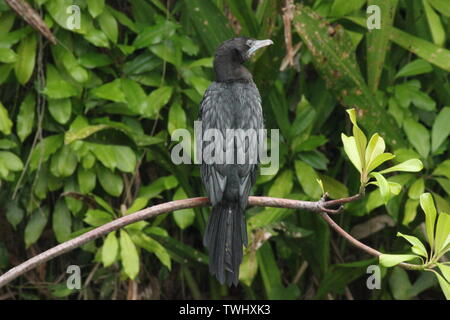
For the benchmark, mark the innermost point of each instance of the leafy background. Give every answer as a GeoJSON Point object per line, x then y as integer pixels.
{"type": "Point", "coordinates": [85, 138]}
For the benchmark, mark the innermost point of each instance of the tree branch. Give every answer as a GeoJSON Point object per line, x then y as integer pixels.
{"type": "Point", "coordinates": [322, 206]}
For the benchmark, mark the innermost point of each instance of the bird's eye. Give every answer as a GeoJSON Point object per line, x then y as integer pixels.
{"type": "Point", "coordinates": [249, 43]}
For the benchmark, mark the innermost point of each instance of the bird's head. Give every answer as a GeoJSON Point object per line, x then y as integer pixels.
{"type": "Point", "coordinates": [231, 54]}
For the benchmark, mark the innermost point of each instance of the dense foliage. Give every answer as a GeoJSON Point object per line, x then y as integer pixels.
{"type": "Point", "coordinates": [85, 131]}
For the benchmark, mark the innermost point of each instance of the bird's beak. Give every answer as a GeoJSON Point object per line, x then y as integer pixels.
{"type": "Point", "coordinates": [258, 44]}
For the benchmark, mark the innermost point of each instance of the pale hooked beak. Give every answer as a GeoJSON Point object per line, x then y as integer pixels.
{"type": "Point", "coordinates": [258, 44]}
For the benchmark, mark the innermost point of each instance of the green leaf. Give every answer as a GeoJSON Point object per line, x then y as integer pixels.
{"type": "Point", "coordinates": [417, 245]}
{"type": "Point", "coordinates": [155, 34]}
{"type": "Point", "coordinates": [410, 211]}
{"type": "Point", "coordinates": [110, 91]}
{"type": "Point", "coordinates": [445, 269]}
{"type": "Point", "coordinates": [336, 63]}
{"type": "Point", "coordinates": [335, 189]}
{"type": "Point", "coordinates": [129, 255]}
{"type": "Point", "coordinates": [97, 38]}
{"type": "Point", "coordinates": [185, 217]}
{"type": "Point", "coordinates": [390, 260]}
{"type": "Point", "coordinates": [112, 183]}
{"type": "Point", "coordinates": [248, 268]}
{"type": "Point", "coordinates": [97, 217]}
{"type": "Point", "coordinates": [441, 129]}
{"type": "Point", "coordinates": [14, 214]}
{"type": "Point", "coordinates": [383, 185]}
{"type": "Point", "coordinates": [35, 226]}
{"type": "Point", "coordinates": [11, 161]}
{"type": "Point", "coordinates": [56, 87]}
{"type": "Point", "coordinates": [443, 169]}
{"type": "Point", "coordinates": [153, 246]}
{"type": "Point", "coordinates": [25, 118]}
{"type": "Point", "coordinates": [411, 165]}
{"type": "Point", "coordinates": [441, 6]}
{"type": "Point", "coordinates": [435, 24]}
{"type": "Point", "coordinates": [442, 232]}
{"type": "Point", "coordinates": [110, 249]}
{"type": "Point", "coordinates": [126, 158]}
{"type": "Point", "coordinates": [64, 162]}
{"type": "Point", "coordinates": [427, 205]}
{"type": "Point", "coordinates": [445, 285]}
{"type": "Point", "coordinates": [105, 153]}
{"type": "Point", "coordinates": [5, 121]}
{"type": "Point", "coordinates": [375, 148]}
{"type": "Point", "coordinates": [416, 67]}
{"type": "Point", "coordinates": [283, 184]}
{"type": "Point", "coordinates": [108, 24]}
{"type": "Point", "coordinates": [62, 221]}
{"type": "Point", "coordinates": [379, 160]}
{"type": "Point", "coordinates": [344, 7]}
{"type": "Point", "coordinates": [96, 7]}
{"type": "Point", "coordinates": [426, 50]}
{"type": "Point", "coordinates": [177, 117]}
{"type": "Point", "coordinates": [156, 100]}
{"type": "Point", "coordinates": [60, 109]}
{"type": "Point", "coordinates": [7, 55]}
{"type": "Point", "coordinates": [400, 284]}
{"type": "Point", "coordinates": [134, 95]}
{"type": "Point", "coordinates": [211, 25]}
{"type": "Point", "coordinates": [26, 56]}
{"type": "Point", "coordinates": [351, 150]}
{"type": "Point", "coordinates": [378, 42]}
{"type": "Point", "coordinates": [86, 180]}
{"type": "Point", "coordinates": [416, 189]}
{"type": "Point", "coordinates": [418, 136]}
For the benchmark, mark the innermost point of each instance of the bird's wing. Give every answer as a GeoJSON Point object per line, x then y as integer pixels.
{"type": "Point", "coordinates": [213, 175]}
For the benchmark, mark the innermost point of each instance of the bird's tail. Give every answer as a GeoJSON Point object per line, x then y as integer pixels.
{"type": "Point", "coordinates": [225, 235]}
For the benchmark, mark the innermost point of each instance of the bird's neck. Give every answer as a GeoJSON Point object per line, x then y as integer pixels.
{"type": "Point", "coordinates": [227, 70]}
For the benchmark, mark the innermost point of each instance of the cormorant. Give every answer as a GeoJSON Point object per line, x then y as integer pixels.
{"type": "Point", "coordinates": [232, 101]}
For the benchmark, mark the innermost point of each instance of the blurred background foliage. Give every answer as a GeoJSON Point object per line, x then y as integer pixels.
{"type": "Point", "coordinates": [85, 138]}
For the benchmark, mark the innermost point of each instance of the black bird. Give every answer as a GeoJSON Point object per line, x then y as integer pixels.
{"type": "Point", "coordinates": [232, 101]}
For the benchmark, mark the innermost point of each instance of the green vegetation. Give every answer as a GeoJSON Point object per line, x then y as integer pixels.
{"type": "Point", "coordinates": [85, 130]}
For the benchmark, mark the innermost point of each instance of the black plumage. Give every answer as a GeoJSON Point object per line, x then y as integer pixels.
{"type": "Point", "coordinates": [232, 101]}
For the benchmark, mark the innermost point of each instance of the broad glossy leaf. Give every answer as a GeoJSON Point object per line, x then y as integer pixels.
{"type": "Point", "coordinates": [129, 255]}
{"type": "Point", "coordinates": [36, 225]}
{"type": "Point", "coordinates": [97, 217]}
{"type": "Point", "coordinates": [427, 205]}
{"type": "Point", "coordinates": [416, 189]}
{"type": "Point", "coordinates": [45, 149]}
{"type": "Point", "coordinates": [383, 185]}
{"type": "Point", "coordinates": [7, 55]}
{"type": "Point", "coordinates": [418, 247]}
{"type": "Point", "coordinates": [442, 231]}
{"type": "Point", "coordinates": [5, 121]}
{"type": "Point", "coordinates": [156, 100]}
{"type": "Point", "coordinates": [390, 260]}
{"type": "Point", "coordinates": [111, 182]}
{"type": "Point", "coordinates": [86, 179]}
{"type": "Point", "coordinates": [56, 86]}
{"type": "Point", "coordinates": [412, 165]}
{"type": "Point", "coordinates": [441, 128]}
{"type": "Point", "coordinates": [110, 249]}
{"type": "Point", "coordinates": [26, 56]}
{"type": "Point", "coordinates": [108, 24]}
{"type": "Point", "coordinates": [60, 109]}
{"type": "Point", "coordinates": [378, 41]}
{"type": "Point", "coordinates": [351, 150]}
{"type": "Point", "coordinates": [435, 24]}
{"type": "Point", "coordinates": [25, 118]}
{"type": "Point", "coordinates": [307, 177]}
{"type": "Point", "coordinates": [185, 217]}
{"type": "Point", "coordinates": [126, 158]}
{"type": "Point", "coordinates": [416, 67]}
{"type": "Point", "coordinates": [62, 221]}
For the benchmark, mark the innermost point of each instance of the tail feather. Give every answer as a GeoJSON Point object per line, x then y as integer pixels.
{"type": "Point", "coordinates": [225, 235]}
